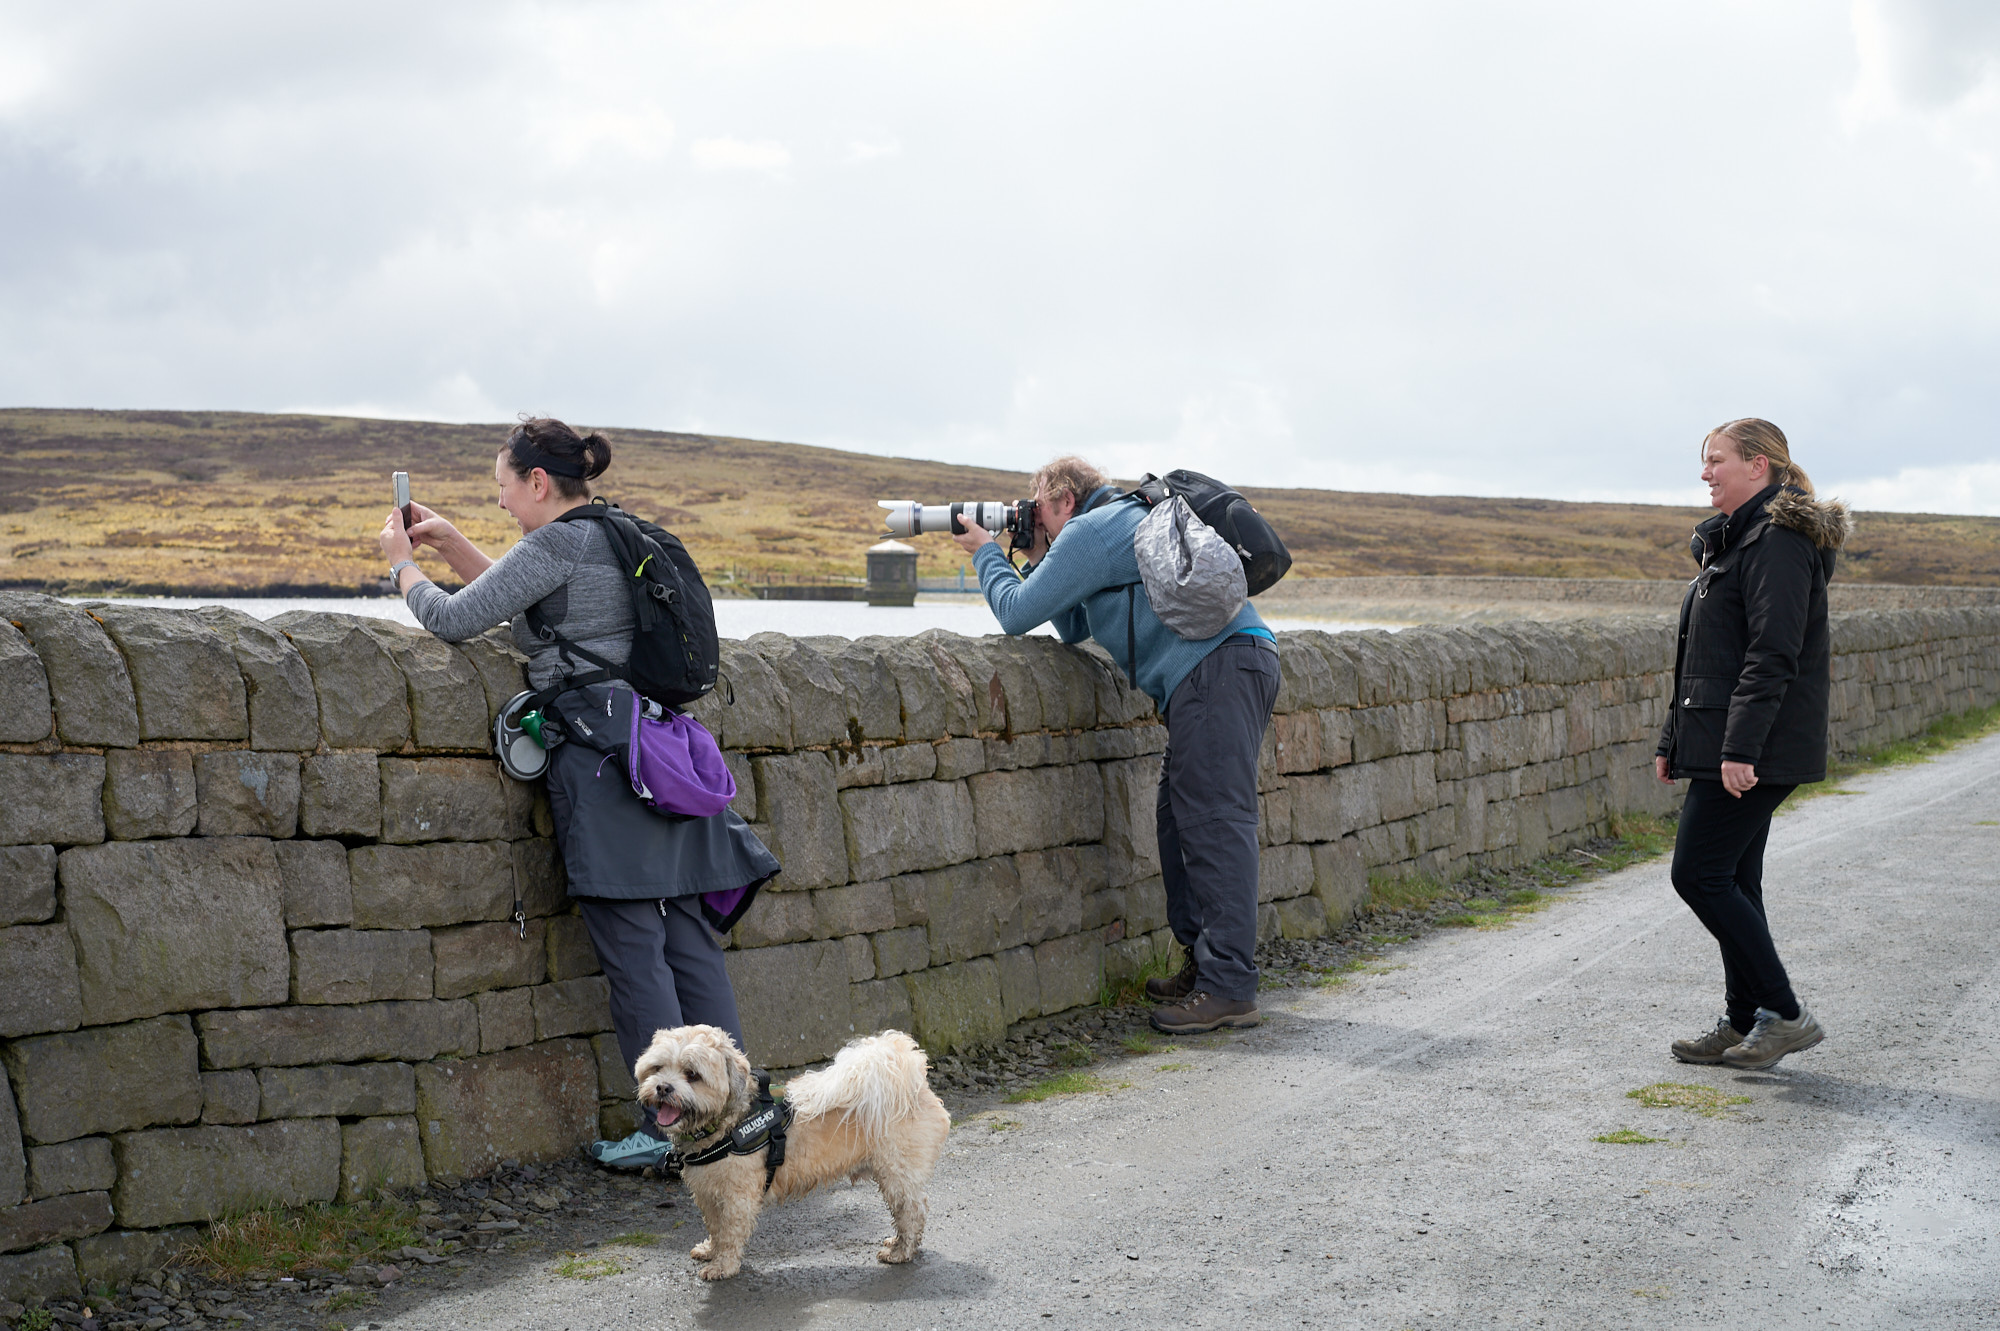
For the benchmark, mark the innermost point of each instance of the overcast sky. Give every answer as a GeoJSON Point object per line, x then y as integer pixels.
{"type": "Point", "coordinates": [1454, 246]}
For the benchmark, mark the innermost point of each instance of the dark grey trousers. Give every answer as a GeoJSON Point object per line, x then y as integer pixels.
{"type": "Point", "coordinates": [665, 969]}
{"type": "Point", "coordinates": [1207, 812]}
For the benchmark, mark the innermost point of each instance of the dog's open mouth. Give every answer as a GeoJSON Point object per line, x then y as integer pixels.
{"type": "Point", "coordinates": [667, 1115]}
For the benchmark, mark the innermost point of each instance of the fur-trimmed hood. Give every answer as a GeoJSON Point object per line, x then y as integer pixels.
{"type": "Point", "coordinates": [1824, 522]}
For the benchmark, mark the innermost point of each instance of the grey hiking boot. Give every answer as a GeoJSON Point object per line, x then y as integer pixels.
{"type": "Point", "coordinates": [1708, 1048]}
{"type": "Point", "coordinates": [1204, 1012]}
{"type": "Point", "coordinates": [1165, 989]}
{"type": "Point", "coordinates": [1772, 1038]}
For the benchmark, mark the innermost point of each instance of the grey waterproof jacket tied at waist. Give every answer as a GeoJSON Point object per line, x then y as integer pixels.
{"type": "Point", "coordinates": [1752, 668]}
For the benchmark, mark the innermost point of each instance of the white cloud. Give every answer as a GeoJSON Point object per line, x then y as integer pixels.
{"type": "Point", "coordinates": [726, 154]}
{"type": "Point", "coordinates": [1973, 488]}
{"type": "Point", "coordinates": [869, 150]}
{"type": "Point", "coordinates": [455, 399]}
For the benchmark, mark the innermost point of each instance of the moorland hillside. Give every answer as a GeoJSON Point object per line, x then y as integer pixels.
{"type": "Point", "coordinates": [166, 502]}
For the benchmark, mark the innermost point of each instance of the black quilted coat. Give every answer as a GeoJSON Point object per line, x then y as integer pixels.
{"type": "Point", "coordinates": [1751, 679]}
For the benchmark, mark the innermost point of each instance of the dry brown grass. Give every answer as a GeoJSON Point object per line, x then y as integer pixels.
{"type": "Point", "coordinates": [210, 502]}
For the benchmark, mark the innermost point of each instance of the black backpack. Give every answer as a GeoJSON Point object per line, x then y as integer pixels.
{"type": "Point", "coordinates": [1255, 541]}
{"type": "Point", "coordinates": [675, 655]}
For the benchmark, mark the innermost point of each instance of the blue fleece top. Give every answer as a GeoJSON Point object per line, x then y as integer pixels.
{"type": "Point", "coordinates": [1079, 587]}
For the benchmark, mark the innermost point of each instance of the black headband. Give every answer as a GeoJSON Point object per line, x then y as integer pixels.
{"type": "Point", "coordinates": [525, 451]}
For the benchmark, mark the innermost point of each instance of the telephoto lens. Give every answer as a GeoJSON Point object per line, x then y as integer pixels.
{"type": "Point", "coordinates": [907, 517]}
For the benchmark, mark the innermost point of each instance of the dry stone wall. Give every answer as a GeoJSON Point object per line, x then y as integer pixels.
{"type": "Point", "coordinates": [256, 879]}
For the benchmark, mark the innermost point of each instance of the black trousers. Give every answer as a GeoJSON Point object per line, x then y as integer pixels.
{"type": "Point", "coordinates": [1206, 813]}
{"type": "Point", "coordinates": [1719, 872]}
{"type": "Point", "coordinates": [664, 966]}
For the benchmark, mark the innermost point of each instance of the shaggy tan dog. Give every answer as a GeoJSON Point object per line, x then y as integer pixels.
{"type": "Point", "coordinates": [870, 1115]}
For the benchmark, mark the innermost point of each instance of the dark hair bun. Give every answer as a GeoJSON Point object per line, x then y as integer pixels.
{"type": "Point", "coordinates": [568, 458]}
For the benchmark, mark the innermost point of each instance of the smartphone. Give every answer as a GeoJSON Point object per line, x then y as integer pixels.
{"type": "Point", "coordinates": [402, 481]}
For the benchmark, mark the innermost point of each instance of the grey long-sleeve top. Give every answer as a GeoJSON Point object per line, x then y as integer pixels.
{"type": "Point", "coordinates": [566, 569]}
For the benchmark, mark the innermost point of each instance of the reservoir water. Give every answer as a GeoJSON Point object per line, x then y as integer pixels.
{"type": "Point", "coordinates": [734, 618]}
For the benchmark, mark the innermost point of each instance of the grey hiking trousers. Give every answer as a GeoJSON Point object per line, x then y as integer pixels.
{"type": "Point", "coordinates": [1207, 811]}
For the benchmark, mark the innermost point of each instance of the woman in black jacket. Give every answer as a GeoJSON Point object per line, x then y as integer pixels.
{"type": "Point", "coordinates": [1747, 721]}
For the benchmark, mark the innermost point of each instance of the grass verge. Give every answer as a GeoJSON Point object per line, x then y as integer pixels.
{"type": "Point", "coordinates": [1703, 1100]}
{"type": "Point", "coordinates": [1626, 1137]}
{"type": "Point", "coordinates": [1162, 962]}
{"type": "Point", "coordinates": [1941, 736]}
{"type": "Point", "coordinates": [636, 1239]}
{"type": "Point", "coordinates": [576, 1266]}
{"type": "Point", "coordinates": [326, 1235]}
{"type": "Point", "coordinates": [1069, 1083]}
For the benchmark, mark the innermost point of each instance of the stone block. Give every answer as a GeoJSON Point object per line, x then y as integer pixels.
{"type": "Point", "coordinates": [363, 701]}
{"type": "Point", "coordinates": [120, 1256]}
{"type": "Point", "coordinates": [148, 793]}
{"type": "Point", "coordinates": [614, 1075]}
{"type": "Point", "coordinates": [535, 1105]}
{"type": "Point", "coordinates": [87, 679]}
{"type": "Point", "coordinates": [880, 1005]}
{"type": "Point", "coordinates": [921, 695]}
{"type": "Point", "coordinates": [340, 794]}
{"type": "Point", "coordinates": [1126, 958]}
{"type": "Point", "coordinates": [798, 798]}
{"type": "Point", "coordinates": [570, 950]}
{"type": "Point", "coordinates": [448, 706]}
{"type": "Point", "coordinates": [572, 1007]}
{"type": "Point", "coordinates": [959, 758]}
{"type": "Point", "coordinates": [1340, 879]}
{"type": "Point", "coordinates": [1070, 971]}
{"type": "Point", "coordinates": [862, 908]}
{"type": "Point", "coordinates": [1101, 908]}
{"type": "Point", "coordinates": [912, 826]}
{"type": "Point", "coordinates": [55, 797]}
{"type": "Point", "coordinates": [506, 1019]}
{"type": "Point", "coordinates": [817, 695]}
{"type": "Point", "coordinates": [409, 887]}
{"type": "Point", "coordinates": [442, 799]}
{"type": "Point", "coordinates": [502, 670]}
{"type": "Point", "coordinates": [1145, 906]}
{"type": "Point", "coordinates": [291, 1036]}
{"type": "Point", "coordinates": [77, 1083]}
{"type": "Point", "coordinates": [851, 768]}
{"type": "Point", "coordinates": [33, 1224]}
{"type": "Point", "coordinates": [38, 974]}
{"type": "Point", "coordinates": [379, 1155]}
{"type": "Point", "coordinates": [860, 957]}
{"type": "Point", "coordinates": [25, 684]}
{"type": "Point", "coordinates": [1038, 807]}
{"type": "Point", "coordinates": [792, 1000]}
{"type": "Point", "coordinates": [312, 882]}
{"type": "Point", "coordinates": [900, 950]}
{"type": "Point", "coordinates": [360, 965]}
{"type": "Point", "coordinates": [1020, 992]}
{"type": "Point", "coordinates": [476, 957]}
{"type": "Point", "coordinates": [1267, 923]}
{"type": "Point", "coordinates": [1283, 871]}
{"type": "Point", "coordinates": [284, 712]}
{"type": "Point", "coordinates": [27, 884]}
{"type": "Point", "coordinates": [538, 878]}
{"type": "Point", "coordinates": [909, 762]}
{"type": "Point", "coordinates": [957, 1006]}
{"type": "Point", "coordinates": [337, 1090]}
{"type": "Point", "coordinates": [169, 1176]}
{"type": "Point", "coordinates": [46, 1273]}
{"type": "Point", "coordinates": [165, 926]}
{"type": "Point", "coordinates": [1301, 917]}
{"type": "Point", "coordinates": [761, 716]}
{"type": "Point", "coordinates": [230, 1097]}
{"type": "Point", "coordinates": [248, 794]}
{"type": "Point", "coordinates": [1053, 886]}
{"type": "Point", "coordinates": [183, 673]}
{"type": "Point", "coordinates": [13, 1155]}
{"type": "Point", "coordinates": [1131, 834]}
{"type": "Point", "coordinates": [970, 910]}
{"type": "Point", "coordinates": [528, 807]}
{"type": "Point", "coordinates": [81, 1165]}
{"type": "Point", "coordinates": [776, 917]}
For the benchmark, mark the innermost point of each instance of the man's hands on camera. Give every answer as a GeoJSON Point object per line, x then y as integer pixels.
{"type": "Point", "coordinates": [974, 536]}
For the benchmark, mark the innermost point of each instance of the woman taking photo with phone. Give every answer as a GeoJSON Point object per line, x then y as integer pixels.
{"type": "Point", "coordinates": [1747, 721]}
{"type": "Point", "coordinates": [637, 876]}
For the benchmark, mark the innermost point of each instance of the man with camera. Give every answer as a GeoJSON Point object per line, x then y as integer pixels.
{"type": "Point", "coordinates": [1215, 694]}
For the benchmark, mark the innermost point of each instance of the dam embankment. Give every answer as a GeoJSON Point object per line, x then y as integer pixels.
{"type": "Point", "coordinates": [256, 879]}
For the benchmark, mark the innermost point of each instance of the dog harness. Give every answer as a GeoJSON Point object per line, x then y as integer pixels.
{"type": "Point", "coordinates": [764, 1130]}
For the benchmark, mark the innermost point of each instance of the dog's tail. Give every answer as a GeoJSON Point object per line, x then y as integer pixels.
{"type": "Point", "coordinates": [877, 1080]}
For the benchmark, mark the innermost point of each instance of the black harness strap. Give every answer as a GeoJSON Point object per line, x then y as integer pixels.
{"type": "Point", "coordinates": [763, 1130]}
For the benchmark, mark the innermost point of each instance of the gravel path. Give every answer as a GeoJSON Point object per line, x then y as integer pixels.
{"type": "Point", "coordinates": [1415, 1146]}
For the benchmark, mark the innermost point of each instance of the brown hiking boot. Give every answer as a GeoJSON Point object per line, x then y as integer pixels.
{"type": "Point", "coordinates": [1708, 1048]}
{"type": "Point", "coordinates": [1204, 1012]}
{"type": "Point", "coordinates": [1165, 989]}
